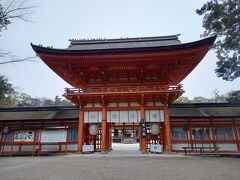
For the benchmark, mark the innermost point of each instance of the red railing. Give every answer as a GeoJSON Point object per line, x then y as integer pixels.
{"type": "Point", "coordinates": [123, 89]}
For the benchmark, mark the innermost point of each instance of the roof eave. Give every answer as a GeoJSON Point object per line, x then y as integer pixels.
{"type": "Point", "coordinates": [207, 41]}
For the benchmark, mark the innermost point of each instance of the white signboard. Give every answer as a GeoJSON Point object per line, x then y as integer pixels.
{"type": "Point", "coordinates": [24, 136]}
{"type": "Point", "coordinates": [54, 136]}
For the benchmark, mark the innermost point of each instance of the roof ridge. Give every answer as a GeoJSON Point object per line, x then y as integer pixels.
{"type": "Point", "coordinates": [113, 40]}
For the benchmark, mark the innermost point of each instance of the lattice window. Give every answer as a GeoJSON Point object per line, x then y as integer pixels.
{"type": "Point", "coordinates": [178, 134]}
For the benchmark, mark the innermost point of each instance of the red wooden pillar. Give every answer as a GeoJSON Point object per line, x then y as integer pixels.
{"type": "Point", "coordinates": [236, 135]}
{"type": "Point", "coordinates": [80, 129]}
{"type": "Point", "coordinates": [143, 141]}
{"type": "Point", "coordinates": [86, 133]}
{"type": "Point", "coordinates": [190, 133]}
{"type": "Point", "coordinates": [214, 138]}
{"type": "Point", "coordinates": [109, 136]}
{"type": "Point", "coordinates": [104, 128]}
{"type": "Point", "coordinates": [168, 133]}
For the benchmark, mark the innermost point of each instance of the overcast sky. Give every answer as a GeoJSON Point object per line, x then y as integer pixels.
{"type": "Point", "coordinates": [54, 22]}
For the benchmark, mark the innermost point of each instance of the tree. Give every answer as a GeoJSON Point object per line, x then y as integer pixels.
{"type": "Point", "coordinates": [217, 98]}
{"type": "Point", "coordinates": [222, 18]}
{"type": "Point", "coordinates": [5, 92]}
{"type": "Point", "coordinates": [233, 97]}
{"type": "Point", "coordinates": [13, 10]}
{"type": "Point", "coordinates": [5, 88]}
{"type": "Point", "coordinates": [182, 99]}
{"type": "Point", "coordinates": [199, 99]}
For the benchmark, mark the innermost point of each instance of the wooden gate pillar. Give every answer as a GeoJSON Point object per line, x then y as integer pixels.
{"type": "Point", "coordinates": [143, 140]}
{"type": "Point", "coordinates": [168, 133]}
{"type": "Point", "coordinates": [80, 129]}
{"type": "Point", "coordinates": [104, 128]}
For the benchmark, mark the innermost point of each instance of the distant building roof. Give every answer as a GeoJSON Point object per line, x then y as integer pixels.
{"type": "Point", "coordinates": [206, 110]}
{"type": "Point", "coordinates": [39, 113]}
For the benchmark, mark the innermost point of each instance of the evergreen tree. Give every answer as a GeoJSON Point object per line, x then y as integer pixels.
{"type": "Point", "coordinates": [222, 18]}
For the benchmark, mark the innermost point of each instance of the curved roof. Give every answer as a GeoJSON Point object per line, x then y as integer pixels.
{"type": "Point", "coordinates": [161, 60]}
{"type": "Point", "coordinates": [122, 45]}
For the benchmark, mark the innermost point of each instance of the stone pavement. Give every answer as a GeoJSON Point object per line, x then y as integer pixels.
{"type": "Point", "coordinates": [123, 163]}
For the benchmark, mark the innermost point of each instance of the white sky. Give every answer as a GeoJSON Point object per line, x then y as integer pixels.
{"type": "Point", "coordinates": [57, 21]}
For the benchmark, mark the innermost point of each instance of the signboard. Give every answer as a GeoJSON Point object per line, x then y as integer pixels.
{"type": "Point", "coordinates": [143, 127]}
{"type": "Point", "coordinates": [24, 136]}
{"type": "Point", "coordinates": [54, 136]}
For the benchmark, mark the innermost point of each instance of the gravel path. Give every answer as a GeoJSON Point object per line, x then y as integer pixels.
{"type": "Point", "coordinates": [111, 167]}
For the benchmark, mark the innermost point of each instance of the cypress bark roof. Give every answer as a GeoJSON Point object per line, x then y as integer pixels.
{"type": "Point", "coordinates": [206, 110]}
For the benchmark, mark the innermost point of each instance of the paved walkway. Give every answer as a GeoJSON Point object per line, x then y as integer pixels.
{"type": "Point", "coordinates": [125, 150]}
{"type": "Point", "coordinates": [118, 167]}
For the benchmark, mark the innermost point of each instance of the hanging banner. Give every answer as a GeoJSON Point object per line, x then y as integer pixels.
{"type": "Point", "coordinates": [24, 136]}
{"type": "Point", "coordinates": [143, 127]}
{"type": "Point", "coordinates": [54, 136]}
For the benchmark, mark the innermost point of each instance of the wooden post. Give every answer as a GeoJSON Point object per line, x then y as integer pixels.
{"type": "Point", "coordinates": [236, 135]}
{"type": "Point", "coordinates": [80, 129]}
{"type": "Point", "coordinates": [1, 142]}
{"type": "Point", "coordinates": [213, 136]}
{"type": "Point", "coordinates": [168, 133]}
{"type": "Point", "coordinates": [143, 141]}
{"type": "Point", "coordinates": [190, 134]}
{"type": "Point", "coordinates": [110, 137]}
{"type": "Point", "coordinates": [104, 128]}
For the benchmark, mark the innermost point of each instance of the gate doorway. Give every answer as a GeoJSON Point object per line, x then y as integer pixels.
{"type": "Point", "coordinates": [128, 135]}
{"type": "Point", "coordinates": [125, 133]}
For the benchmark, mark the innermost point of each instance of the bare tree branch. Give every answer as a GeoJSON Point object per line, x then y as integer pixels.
{"type": "Point", "coordinates": [7, 57]}
{"type": "Point", "coordinates": [14, 10]}
{"type": "Point", "coordinates": [19, 60]}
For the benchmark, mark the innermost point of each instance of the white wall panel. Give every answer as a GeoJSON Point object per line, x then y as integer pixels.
{"type": "Point", "coordinates": [158, 103]}
{"type": "Point", "coordinates": [89, 105]}
{"type": "Point", "coordinates": [133, 116]}
{"type": "Point", "coordinates": [123, 116]}
{"type": "Point", "coordinates": [134, 104]}
{"type": "Point", "coordinates": [86, 118]}
{"type": "Point", "coordinates": [114, 116]}
{"type": "Point", "coordinates": [227, 147]}
{"type": "Point", "coordinates": [161, 116]}
{"type": "Point", "coordinates": [27, 148]}
{"type": "Point", "coordinates": [149, 104]}
{"type": "Point", "coordinates": [93, 116]}
{"type": "Point", "coordinates": [108, 116]}
{"type": "Point", "coordinates": [154, 116]}
{"type": "Point", "coordinates": [123, 104]}
{"type": "Point", "coordinates": [112, 105]}
{"type": "Point", "coordinates": [99, 116]}
{"type": "Point", "coordinates": [97, 105]}
{"type": "Point", "coordinates": [147, 115]}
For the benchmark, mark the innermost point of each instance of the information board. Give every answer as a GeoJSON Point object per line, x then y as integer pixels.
{"type": "Point", "coordinates": [54, 136]}
{"type": "Point", "coordinates": [24, 136]}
